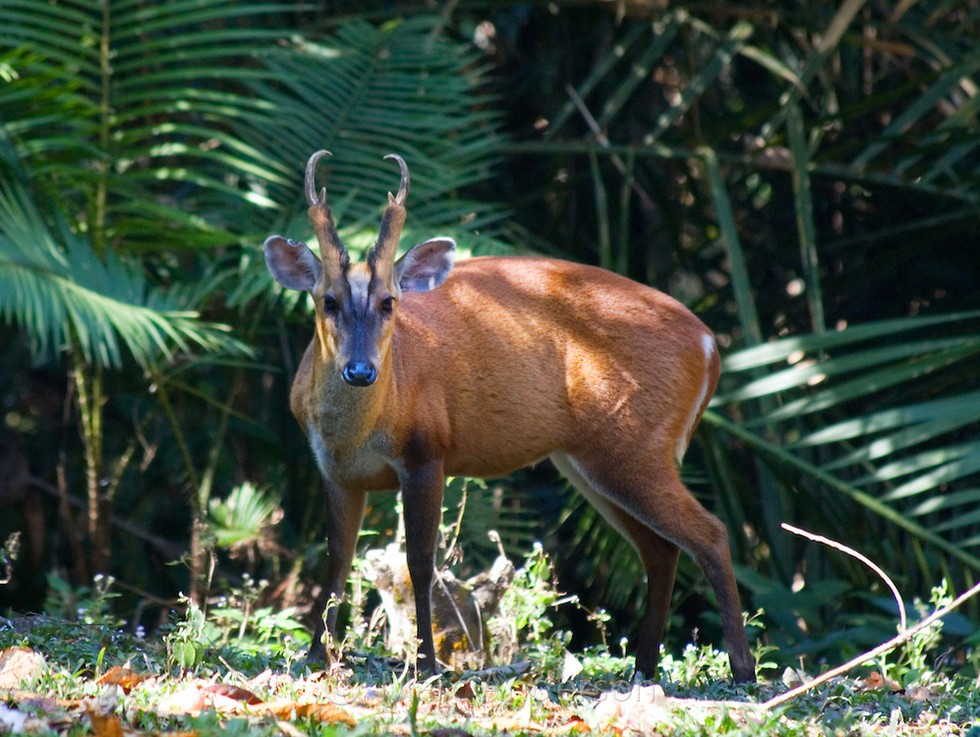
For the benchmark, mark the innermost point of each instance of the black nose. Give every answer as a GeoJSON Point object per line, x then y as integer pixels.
{"type": "Point", "coordinates": [360, 373]}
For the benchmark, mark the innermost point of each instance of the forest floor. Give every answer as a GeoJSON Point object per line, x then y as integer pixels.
{"type": "Point", "coordinates": [70, 678]}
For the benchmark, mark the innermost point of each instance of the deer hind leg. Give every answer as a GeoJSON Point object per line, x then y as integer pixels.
{"type": "Point", "coordinates": [658, 555]}
{"type": "Point", "coordinates": [650, 505]}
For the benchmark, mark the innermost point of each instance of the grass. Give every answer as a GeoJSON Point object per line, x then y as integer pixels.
{"type": "Point", "coordinates": [238, 670]}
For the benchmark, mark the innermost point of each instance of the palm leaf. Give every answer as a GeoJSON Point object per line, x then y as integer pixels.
{"type": "Point", "coordinates": [242, 518]}
{"type": "Point", "coordinates": [883, 413]}
{"type": "Point", "coordinates": [366, 91]}
{"type": "Point", "coordinates": [124, 107]}
{"type": "Point", "coordinates": [60, 292]}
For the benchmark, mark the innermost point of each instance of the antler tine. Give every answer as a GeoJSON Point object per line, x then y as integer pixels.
{"type": "Point", "coordinates": [311, 196]}
{"type": "Point", "coordinates": [381, 258]}
{"type": "Point", "coordinates": [403, 184]}
{"type": "Point", "coordinates": [332, 252]}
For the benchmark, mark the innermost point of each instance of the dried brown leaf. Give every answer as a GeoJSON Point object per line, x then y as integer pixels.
{"type": "Point", "coordinates": [876, 681]}
{"type": "Point", "coordinates": [125, 678]}
{"type": "Point", "coordinates": [232, 692]}
{"type": "Point", "coordinates": [321, 712]}
{"type": "Point", "coordinates": [465, 691]}
{"type": "Point", "coordinates": [575, 725]}
{"type": "Point", "coordinates": [18, 664]}
{"type": "Point", "coordinates": [188, 700]}
{"type": "Point", "coordinates": [105, 725]}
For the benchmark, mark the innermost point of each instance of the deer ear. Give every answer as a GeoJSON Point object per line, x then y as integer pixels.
{"type": "Point", "coordinates": [426, 265]}
{"type": "Point", "coordinates": [292, 264]}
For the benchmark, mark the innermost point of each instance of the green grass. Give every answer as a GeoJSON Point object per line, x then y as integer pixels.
{"type": "Point", "coordinates": [696, 698]}
{"type": "Point", "coordinates": [196, 676]}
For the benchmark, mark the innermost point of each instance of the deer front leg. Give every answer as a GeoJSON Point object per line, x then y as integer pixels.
{"type": "Point", "coordinates": [422, 491]}
{"type": "Point", "coordinates": [345, 511]}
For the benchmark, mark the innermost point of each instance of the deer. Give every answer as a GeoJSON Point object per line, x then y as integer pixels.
{"type": "Point", "coordinates": [421, 367]}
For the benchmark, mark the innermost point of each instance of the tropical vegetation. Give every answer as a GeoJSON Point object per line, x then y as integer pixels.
{"type": "Point", "coordinates": [802, 175]}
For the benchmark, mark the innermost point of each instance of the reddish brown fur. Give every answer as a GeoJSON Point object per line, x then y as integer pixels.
{"type": "Point", "coordinates": [512, 360]}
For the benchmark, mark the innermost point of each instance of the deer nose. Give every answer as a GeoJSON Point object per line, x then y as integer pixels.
{"type": "Point", "coordinates": [359, 373]}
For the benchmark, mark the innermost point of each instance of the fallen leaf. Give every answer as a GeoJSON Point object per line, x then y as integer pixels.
{"type": "Point", "coordinates": [575, 725]}
{"type": "Point", "coordinates": [642, 709]}
{"type": "Point", "coordinates": [877, 681]}
{"type": "Point", "coordinates": [465, 692]}
{"type": "Point", "coordinates": [570, 667]}
{"type": "Point", "coordinates": [224, 705]}
{"type": "Point", "coordinates": [188, 700]}
{"type": "Point", "coordinates": [105, 725]}
{"type": "Point", "coordinates": [325, 713]}
{"type": "Point", "coordinates": [320, 712]}
{"type": "Point", "coordinates": [125, 678]}
{"type": "Point", "coordinates": [516, 724]}
{"type": "Point", "coordinates": [18, 664]}
{"type": "Point", "coordinates": [12, 720]}
{"type": "Point", "coordinates": [921, 693]}
{"type": "Point", "coordinates": [262, 679]}
{"type": "Point", "coordinates": [232, 692]}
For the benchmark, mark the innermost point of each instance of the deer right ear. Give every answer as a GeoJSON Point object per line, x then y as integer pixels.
{"type": "Point", "coordinates": [292, 264]}
{"type": "Point", "coordinates": [426, 265]}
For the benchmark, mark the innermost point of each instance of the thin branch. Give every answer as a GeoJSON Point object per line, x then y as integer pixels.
{"type": "Point", "coordinates": [603, 142]}
{"type": "Point", "coordinates": [902, 623]}
{"type": "Point", "coordinates": [872, 654]}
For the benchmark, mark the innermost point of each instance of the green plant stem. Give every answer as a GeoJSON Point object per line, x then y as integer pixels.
{"type": "Point", "coordinates": [806, 229]}
{"type": "Point", "coordinates": [741, 284]}
{"type": "Point", "coordinates": [602, 212]}
{"type": "Point", "coordinates": [105, 124]}
{"type": "Point", "coordinates": [90, 398]}
{"type": "Point", "coordinates": [196, 552]}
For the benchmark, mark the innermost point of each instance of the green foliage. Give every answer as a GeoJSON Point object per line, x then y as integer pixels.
{"type": "Point", "coordinates": [854, 419]}
{"type": "Point", "coordinates": [85, 604]}
{"type": "Point", "coordinates": [914, 663]}
{"type": "Point", "coordinates": [242, 517]}
{"type": "Point", "coordinates": [524, 619]}
{"type": "Point", "coordinates": [804, 175]}
{"type": "Point", "coordinates": [365, 91]}
{"type": "Point", "coordinates": [186, 642]}
{"type": "Point", "coordinates": [59, 290]}
{"type": "Point", "coordinates": [236, 631]}
{"type": "Point", "coordinates": [789, 179]}
{"type": "Point", "coordinates": [146, 150]}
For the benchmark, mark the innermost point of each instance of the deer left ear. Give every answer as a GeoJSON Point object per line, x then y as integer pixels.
{"type": "Point", "coordinates": [426, 265]}
{"type": "Point", "coordinates": [292, 264]}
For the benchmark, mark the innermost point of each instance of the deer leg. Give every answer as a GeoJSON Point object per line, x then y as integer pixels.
{"type": "Point", "coordinates": [422, 492]}
{"type": "Point", "coordinates": [659, 558]}
{"type": "Point", "coordinates": [655, 497]}
{"type": "Point", "coordinates": [345, 511]}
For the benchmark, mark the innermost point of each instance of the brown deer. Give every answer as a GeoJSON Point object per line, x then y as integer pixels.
{"type": "Point", "coordinates": [419, 370]}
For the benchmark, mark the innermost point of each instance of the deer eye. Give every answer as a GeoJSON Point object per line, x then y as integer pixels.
{"type": "Point", "coordinates": [388, 305]}
{"type": "Point", "coordinates": [330, 304]}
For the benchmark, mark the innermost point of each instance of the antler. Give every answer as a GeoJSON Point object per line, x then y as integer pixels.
{"type": "Point", "coordinates": [382, 255]}
{"type": "Point", "coordinates": [403, 184]}
{"type": "Point", "coordinates": [332, 252]}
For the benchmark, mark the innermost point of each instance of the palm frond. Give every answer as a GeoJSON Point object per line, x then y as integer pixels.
{"type": "Point", "coordinates": [367, 91]}
{"type": "Point", "coordinates": [123, 108]}
{"type": "Point", "coordinates": [60, 292]}
{"type": "Point", "coordinates": [243, 517]}
{"type": "Point", "coordinates": [883, 413]}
